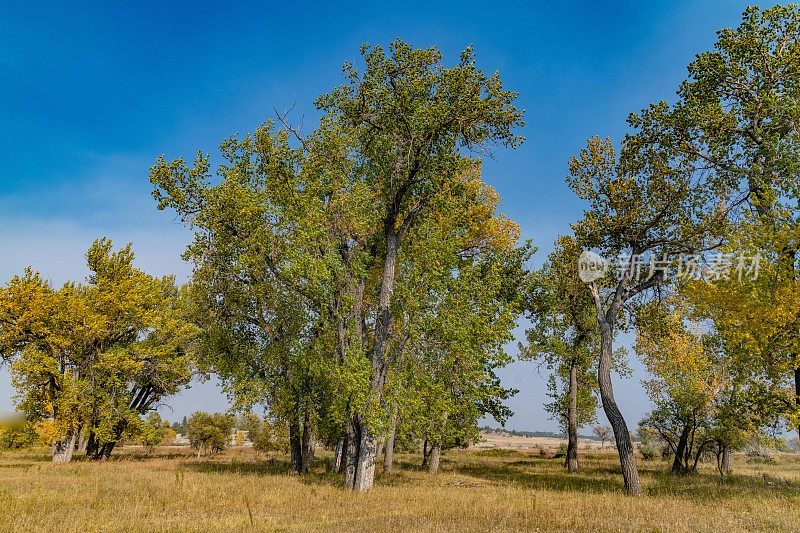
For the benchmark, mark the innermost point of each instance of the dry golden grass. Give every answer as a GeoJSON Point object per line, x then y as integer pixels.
{"type": "Point", "coordinates": [476, 491]}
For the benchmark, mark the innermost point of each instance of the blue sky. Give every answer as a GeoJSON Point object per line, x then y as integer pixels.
{"type": "Point", "coordinates": [91, 93]}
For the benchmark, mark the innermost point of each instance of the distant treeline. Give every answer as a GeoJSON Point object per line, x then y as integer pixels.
{"type": "Point", "coordinates": [518, 433]}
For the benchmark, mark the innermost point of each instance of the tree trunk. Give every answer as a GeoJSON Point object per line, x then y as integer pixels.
{"type": "Point", "coordinates": [797, 392]}
{"type": "Point", "coordinates": [296, 448]}
{"type": "Point", "coordinates": [388, 458]}
{"type": "Point", "coordinates": [63, 448]}
{"type": "Point", "coordinates": [678, 463]}
{"type": "Point", "coordinates": [336, 465]}
{"type": "Point", "coordinates": [350, 455]}
{"type": "Point", "coordinates": [724, 462]}
{"type": "Point", "coordinates": [365, 466]}
{"type": "Point", "coordinates": [627, 458]}
{"type": "Point", "coordinates": [425, 453]}
{"type": "Point", "coordinates": [82, 441]}
{"type": "Point", "coordinates": [433, 460]}
{"type": "Point", "coordinates": [367, 448]}
{"type": "Point", "coordinates": [571, 460]}
{"type": "Point", "coordinates": [381, 444]}
{"type": "Point", "coordinates": [306, 445]}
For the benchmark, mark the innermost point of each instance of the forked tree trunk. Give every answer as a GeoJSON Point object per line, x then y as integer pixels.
{"type": "Point", "coordinates": [571, 460]}
{"type": "Point", "coordinates": [63, 448]}
{"type": "Point", "coordinates": [433, 459]}
{"type": "Point", "coordinates": [679, 462]}
{"type": "Point", "coordinates": [627, 458]}
{"type": "Point", "coordinates": [367, 443]}
{"type": "Point", "coordinates": [388, 458]}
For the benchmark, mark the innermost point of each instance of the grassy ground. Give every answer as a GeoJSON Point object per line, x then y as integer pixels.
{"type": "Point", "coordinates": [500, 490]}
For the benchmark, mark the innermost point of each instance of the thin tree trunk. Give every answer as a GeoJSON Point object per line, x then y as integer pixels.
{"type": "Point", "coordinates": [388, 458]}
{"type": "Point", "coordinates": [571, 460]}
{"type": "Point", "coordinates": [425, 453]}
{"type": "Point", "coordinates": [433, 460]}
{"type": "Point", "coordinates": [336, 465]}
{"type": "Point", "coordinates": [627, 458]}
{"type": "Point", "coordinates": [63, 448]}
{"type": "Point", "coordinates": [678, 462]}
{"type": "Point", "coordinates": [381, 444]}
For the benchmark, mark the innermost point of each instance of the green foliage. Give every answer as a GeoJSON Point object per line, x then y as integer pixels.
{"type": "Point", "coordinates": [152, 432]}
{"type": "Point", "coordinates": [17, 433]}
{"type": "Point", "coordinates": [210, 432]}
{"type": "Point", "coordinates": [326, 264]}
{"type": "Point", "coordinates": [95, 356]}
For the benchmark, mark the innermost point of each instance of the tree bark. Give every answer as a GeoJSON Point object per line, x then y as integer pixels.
{"type": "Point", "coordinates": [381, 444]}
{"type": "Point", "coordinates": [336, 464]}
{"type": "Point", "coordinates": [433, 459]}
{"type": "Point", "coordinates": [797, 392]}
{"type": "Point", "coordinates": [63, 448]}
{"type": "Point", "coordinates": [350, 454]}
{"type": "Point", "coordinates": [679, 461]}
{"type": "Point", "coordinates": [425, 453]}
{"type": "Point", "coordinates": [724, 461]}
{"type": "Point", "coordinates": [571, 460]}
{"type": "Point", "coordinates": [365, 466]}
{"type": "Point", "coordinates": [367, 450]}
{"type": "Point", "coordinates": [295, 447]}
{"type": "Point", "coordinates": [388, 458]}
{"type": "Point", "coordinates": [306, 445]}
{"type": "Point", "coordinates": [627, 458]}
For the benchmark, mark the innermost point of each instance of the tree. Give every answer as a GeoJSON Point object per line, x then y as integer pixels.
{"type": "Point", "coordinates": [736, 120]}
{"type": "Point", "coordinates": [603, 433]}
{"type": "Point", "coordinates": [411, 117]}
{"type": "Point", "coordinates": [93, 358]}
{"type": "Point", "coordinates": [564, 337]}
{"type": "Point", "coordinates": [209, 432]}
{"type": "Point", "coordinates": [299, 248]}
{"type": "Point", "coordinates": [642, 212]}
{"type": "Point", "coordinates": [152, 432]}
{"type": "Point", "coordinates": [180, 427]}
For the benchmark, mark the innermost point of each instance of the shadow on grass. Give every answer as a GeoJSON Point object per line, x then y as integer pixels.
{"type": "Point", "coordinates": [510, 474]}
{"type": "Point", "coordinates": [268, 467]}
{"type": "Point", "coordinates": [533, 473]}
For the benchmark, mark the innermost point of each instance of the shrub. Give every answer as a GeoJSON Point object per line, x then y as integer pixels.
{"type": "Point", "coordinates": [649, 452]}
{"type": "Point", "coordinates": [17, 433]}
{"type": "Point", "coordinates": [209, 431]}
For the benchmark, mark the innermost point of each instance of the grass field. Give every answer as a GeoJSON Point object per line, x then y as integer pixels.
{"type": "Point", "coordinates": [500, 490]}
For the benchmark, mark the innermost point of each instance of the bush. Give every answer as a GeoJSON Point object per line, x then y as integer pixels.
{"type": "Point", "coordinates": [17, 433]}
{"type": "Point", "coordinates": [649, 452]}
{"type": "Point", "coordinates": [209, 431]}
{"type": "Point", "coordinates": [270, 437]}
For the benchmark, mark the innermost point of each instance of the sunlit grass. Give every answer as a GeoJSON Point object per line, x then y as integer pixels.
{"type": "Point", "coordinates": [170, 491]}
